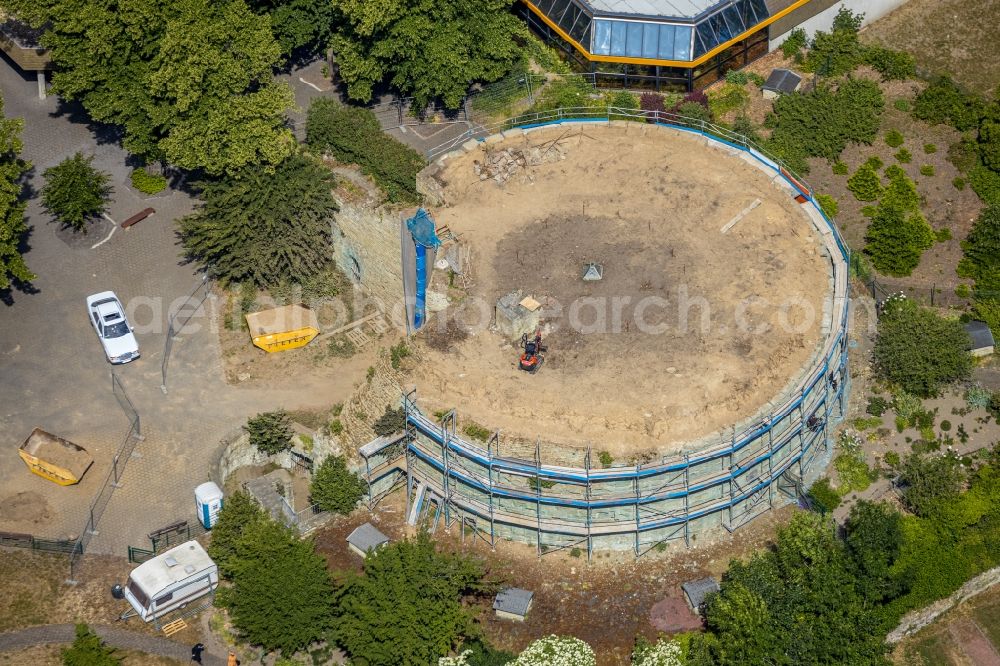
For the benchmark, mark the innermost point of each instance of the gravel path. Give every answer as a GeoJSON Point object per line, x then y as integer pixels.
{"type": "Point", "coordinates": [120, 638]}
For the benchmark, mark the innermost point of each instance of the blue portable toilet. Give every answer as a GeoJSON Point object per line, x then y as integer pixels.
{"type": "Point", "coordinates": [208, 500]}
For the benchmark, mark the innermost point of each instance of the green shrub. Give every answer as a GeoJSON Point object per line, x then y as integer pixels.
{"type": "Point", "coordinates": [895, 240]}
{"type": "Point", "coordinates": [902, 105]}
{"type": "Point", "coordinates": [894, 138]}
{"type": "Point", "coordinates": [89, 650]}
{"type": "Point", "coordinates": [477, 432]}
{"type": "Point", "coordinates": [823, 496]}
{"type": "Point", "coordinates": [270, 432]}
{"type": "Point", "coordinates": [397, 353]}
{"type": "Point", "coordinates": [930, 148]}
{"type": "Point", "coordinates": [903, 156]}
{"type": "Point", "coordinates": [943, 102]}
{"type": "Point", "coordinates": [606, 459]}
{"type": "Point", "coordinates": [901, 192]}
{"type": "Point", "coordinates": [694, 111]}
{"type": "Point", "coordinates": [625, 100]}
{"type": "Point", "coordinates": [839, 168]}
{"type": "Point", "coordinates": [891, 459]}
{"type": "Point", "coordinates": [986, 184]}
{"type": "Point", "coordinates": [862, 424]}
{"type": "Point", "coordinates": [919, 351]}
{"type": "Point", "coordinates": [892, 65]}
{"type": "Point", "coordinates": [352, 134]}
{"type": "Point", "coordinates": [964, 155]}
{"type": "Point", "coordinates": [795, 42]}
{"type": "Point", "coordinates": [391, 422]}
{"type": "Point", "coordinates": [147, 183]}
{"type": "Point", "coordinates": [839, 51]}
{"type": "Point", "coordinates": [336, 488]}
{"type": "Point", "coordinates": [958, 183]}
{"type": "Point", "coordinates": [821, 122]}
{"type": "Point", "coordinates": [945, 425]}
{"type": "Point", "coordinates": [75, 192]}
{"type": "Point", "coordinates": [877, 405]}
{"type": "Point", "coordinates": [869, 211]}
{"type": "Point", "coordinates": [336, 427]}
{"type": "Point", "coordinates": [963, 291]}
{"type": "Point", "coordinates": [828, 205]}
{"type": "Point", "coordinates": [854, 473]}
{"type": "Point", "coordinates": [875, 162]}
{"type": "Point", "coordinates": [865, 184]}
{"type": "Point", "coordinates": [575, 552]}
{"type": "Point", "coordinates": [726, 98]}
{"type": "Point", "coordinates": [341, 347]}
{"type": "Point", "coordinates": [943, 234]}
{"type": "Point", "coordinates": [927, 170]}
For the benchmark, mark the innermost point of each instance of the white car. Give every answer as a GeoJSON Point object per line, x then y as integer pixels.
{"type": "Point", "coordinates": [107, 316]}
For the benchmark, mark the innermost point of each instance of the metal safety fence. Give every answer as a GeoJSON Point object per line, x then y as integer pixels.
{"type": "Point", "coordinates": [113, 480]}
{"type": "Point", "coordinates": [178, 319]}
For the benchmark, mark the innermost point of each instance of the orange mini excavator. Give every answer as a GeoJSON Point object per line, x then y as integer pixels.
{"type": "Point", "coordinates": [532, 357]}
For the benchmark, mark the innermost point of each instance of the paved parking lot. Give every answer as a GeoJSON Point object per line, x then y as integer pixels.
{"type": "Point", "coordinates": [52, 370]}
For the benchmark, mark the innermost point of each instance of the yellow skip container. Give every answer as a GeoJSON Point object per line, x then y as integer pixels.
{"type": "Point", "coordinates": [55, 458]}
{"type": "Point", "coordinates": [287, 327]}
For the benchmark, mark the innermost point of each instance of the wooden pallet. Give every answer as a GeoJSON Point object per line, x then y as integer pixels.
{"type": "Point", "coordinates": [173, 627]}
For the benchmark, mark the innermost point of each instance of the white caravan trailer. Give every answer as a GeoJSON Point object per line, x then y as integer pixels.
{"type": "Point", "coordinates": [171, 580]}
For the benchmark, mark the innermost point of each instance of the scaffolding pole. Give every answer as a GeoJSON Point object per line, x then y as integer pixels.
{"type": "Point", "coordinates": [588, 494]}
{"type": "Point", "coordinates": [538, 496]}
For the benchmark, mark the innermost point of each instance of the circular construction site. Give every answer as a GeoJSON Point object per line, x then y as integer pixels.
{"type": "Point", "coordinates": [689, 314]}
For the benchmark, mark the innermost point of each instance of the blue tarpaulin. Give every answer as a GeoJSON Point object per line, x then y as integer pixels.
{"type": "Point", "coordinates": [421, 228]}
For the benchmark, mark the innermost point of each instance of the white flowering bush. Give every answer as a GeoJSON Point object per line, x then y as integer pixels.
{"type": "Point", "coordinates": [556, 651]}
{"type": "Point", "coordinates": [460, 660]}
{"type": "Point", "coordinates": [660, 653]}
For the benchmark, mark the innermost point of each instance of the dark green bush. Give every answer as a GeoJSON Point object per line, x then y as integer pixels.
{"type": "Point", "coordinates": [875, 162]}
{"type": "Point", "coordinates": [892, 65]}
{"type": "Point", "coordinates": [795, 42]}
{"type": "Point", "coordinates": [825, 498]}
{"type": "Point", "coordinates": [353, 135]}
{"type": "Point", "coordinates": [943, 234]}
{"type": "Point", "coordinates": [839, 51]}
{"type": "Point", "coordinates": [839, 168]}
{"type": "Point", "coordinates": [986, 184]}
{"type": "Point", "coordinates": [391, 422]}
{"type": "Point", "coordinates": [903, 156]}
{"type": "Point", "coordinates": [959, 183]}
{"type": "Point", "coordinates": [930, 148]}
{"type": "Point", "coordinates": [270, 432]}
{"type": "Point", "coordinates": [927, 170]}
{"type": "Point", "coordinates": [828, 204]}
{"type": "Point", "coordinates": [943, 102]}
{"type": "Point", "coordinates": [877, 405]}
{"type": "Point", "coordinates": [821, 123]}
{"type": "Point", "coordinates": [896, 239]}
{"type": "Point", "coordinates": [902, 105]}
{"type": "Point", "coordinates": [336, 488]}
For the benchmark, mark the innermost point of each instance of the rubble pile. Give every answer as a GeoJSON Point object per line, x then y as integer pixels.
{"type": "Point", "coordinates": [502, 165]}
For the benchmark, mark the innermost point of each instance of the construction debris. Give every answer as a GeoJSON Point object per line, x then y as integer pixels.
{"type": "Point", "coordinates": [502, 165]}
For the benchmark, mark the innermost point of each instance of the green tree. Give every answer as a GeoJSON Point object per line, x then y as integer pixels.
{"type": "Point", "coordinates": [353, 135]}
{"type": "Point", "coordinates": [298, 24]}
{"type": "Point", "coordinates": [12, 225]}
{"type": "Point", "coordinates": [981, 253]}
{"type": "Point", "coordinates": [89, 650]}
{"type": "Point", "coordinates": [429, 50]}
{"type": "Point", "coordinates": [895, 240]}
{"type": "Point", "coordinates": [405, 609]}
{"type": "Point", "coordinates": [989, 142]}
{"type": "Point", "coordinates": [919, 350]}
{"type": "Point", "coordinates": [281, 596]}
{"type": "Point", "coordinates": [839, 51]}
{"type": "Point", "coordinates": [391, 421]}
{"type": "Point", "coordinates": [943, 102]}
{"type": "Point", "coordinates": [189, 81]}
{"type": "Point", "coordinates": [264, 227]}
{"type": "Point", "coordinates": [270, 432]}
{"type": "Point", "coordinates": [930, 482]}
{"type": "Point", "coordinates": [75, 192]}
{"type": "Point", "coordinates": [239, 511]}
{"type": "Point", "coordinates": [874, 539]}
{"type": "Point", "coordinates": [336, 488]}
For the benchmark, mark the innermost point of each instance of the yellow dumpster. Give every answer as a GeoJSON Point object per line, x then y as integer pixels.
{"type": "Point", "coordinates": [287, 327]}
{"type": "Point", "coordinates": [55, 458]}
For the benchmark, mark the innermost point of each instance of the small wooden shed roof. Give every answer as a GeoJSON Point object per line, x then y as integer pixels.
{"type": "Point", "coordinates": [782, 81]}
{"type": "Point", "coordinates": [367, 538]}
{"type": "Point", "coordinates": [697, 590]}
{"type": "Point", "coordinates": [513, 600]}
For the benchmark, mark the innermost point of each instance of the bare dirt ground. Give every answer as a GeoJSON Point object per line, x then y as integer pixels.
{"type": "Point", "coordinates": [606, 602]}
{"type": "Point", "coordinates": [738, 313]}
{"type": "Point", "coordinates": [954, 37]}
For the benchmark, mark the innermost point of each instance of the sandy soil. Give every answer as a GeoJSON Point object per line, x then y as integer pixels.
{"type": "Point", "coordinates": [648, 205]}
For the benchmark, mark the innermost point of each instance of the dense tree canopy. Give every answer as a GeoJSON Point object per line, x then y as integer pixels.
{"type": "Point", "coordinates": [896, 239]}
{"type": "Point", "coordinates": [405, 610]}
{"type": "Point", "coordinates": [75, 192]}
{"type": "Point", "coordinates": [12, 224]}
{"type": "Point", "coordinates": [298, 24]}
{"type": "Point", "coordinates": [919, 350]}
{"type": "Point", "coordinates": [428, 49]}
{"type": "Point", "coordinates": [89, 650]}
{"type": "Point", "coordinates": [189, 81]}
{"type": "Point", "coordinates": [264, 227]}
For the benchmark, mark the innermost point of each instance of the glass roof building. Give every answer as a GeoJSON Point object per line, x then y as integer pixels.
{"type": "Point", "coordinates": [683, 40]}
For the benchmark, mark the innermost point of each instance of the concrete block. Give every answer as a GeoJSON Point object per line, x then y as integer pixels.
{"type": "Point", "coordinates": [470, 145]}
